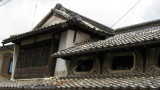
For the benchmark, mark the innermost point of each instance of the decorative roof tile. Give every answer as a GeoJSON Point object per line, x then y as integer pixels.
{"type": "Point", "coordinates": [72, 13]}
{"type": "Point", "coordinates": [118, 41]}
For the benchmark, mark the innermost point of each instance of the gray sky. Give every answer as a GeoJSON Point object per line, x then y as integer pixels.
{"type": "Point", "coordinates": [16, 16]}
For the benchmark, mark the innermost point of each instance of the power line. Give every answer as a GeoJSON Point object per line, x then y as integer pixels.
{"type": "Point", "coordinates": [126, 13]}
{"type": "Point", "coordinates": [34, 14]}
{"type": "Point", "coordinates": [4, 3]}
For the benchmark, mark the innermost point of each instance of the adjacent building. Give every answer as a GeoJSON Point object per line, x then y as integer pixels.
{"type": "Point", "coordinates": [69, 51]}
{"type": "Point", "coordinates": [6, 62]}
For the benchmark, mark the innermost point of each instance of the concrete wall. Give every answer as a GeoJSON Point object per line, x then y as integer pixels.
{"type": "Point", "coordinates": [53, 20]}
{"type": "Point", "coordinates": [2, 52]}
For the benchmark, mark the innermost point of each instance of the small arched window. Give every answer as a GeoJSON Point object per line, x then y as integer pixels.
{"type": "Point", "coordinates": [122, 62]}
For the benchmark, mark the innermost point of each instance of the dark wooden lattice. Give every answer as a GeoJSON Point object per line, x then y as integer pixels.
{"type": "Point", "coordinates": [33, 60]}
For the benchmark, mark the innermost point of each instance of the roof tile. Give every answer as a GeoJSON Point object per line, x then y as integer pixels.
{"type": "Point", "coordinates": [119, 40]}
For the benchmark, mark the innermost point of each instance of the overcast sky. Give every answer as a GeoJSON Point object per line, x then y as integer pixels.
{"type": "Point", "coordinates": [16, 16]}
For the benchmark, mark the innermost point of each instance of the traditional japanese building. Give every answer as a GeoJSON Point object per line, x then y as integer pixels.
{"type": "Point", "coordinates": [69, 51]}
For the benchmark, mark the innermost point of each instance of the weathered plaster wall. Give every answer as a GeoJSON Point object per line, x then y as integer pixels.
{"type": "Point", "coordinates": [2, 52]}
{"type": "Point", "coordinates": [53, 20]}
{"type": "Point", "coordinates": [81, 36]}
{"type": "Point", "coordinates": [152, 60]}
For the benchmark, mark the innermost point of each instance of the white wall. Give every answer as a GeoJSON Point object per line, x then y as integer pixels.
{"type": "Point", "coordinates": [53, 20]}
{"type": "Point", "coordinates": [15, 57]}
{"type": "Point", "coordinates": [81, 36]}
{"type": "Point", "coordinates": [66, 41]}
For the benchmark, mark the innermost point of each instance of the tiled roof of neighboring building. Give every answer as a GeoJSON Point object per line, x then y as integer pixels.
{"type": "Point", "coordinates": [5, 47]}
{"type": "Point", "coordinates": [70, 24]}
{"type": "Point", "coordinates": [118, 41]}
{"type": "Point", "coordinates": [85, 82]}
{"type": "Point", "coordinates": [139, 27]}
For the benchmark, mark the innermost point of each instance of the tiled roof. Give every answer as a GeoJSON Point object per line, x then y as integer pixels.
{"type": "Point", "coordinates": [64, 12]}
{"type": "Point", "coordinates": [5, 47]}
{"type": "Point", "coordinates": [139, 27]}
{"type": "Point", "coordinates": [117, 41]}
{"type": "Point", "coordinates": [74, 21]}
{"type": "Point", "coordinates": [85, 82]}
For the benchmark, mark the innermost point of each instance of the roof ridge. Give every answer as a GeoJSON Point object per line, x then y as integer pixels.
{"type": "Point", "coordinates": [139, 25]}
{"type": "Point", "coordinates": [95, 23]}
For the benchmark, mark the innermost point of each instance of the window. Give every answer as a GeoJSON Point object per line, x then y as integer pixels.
{"type": "Point", "coordinates": [34, 60]}
{"type": "Point", "coordinates": [85, 65]}
{"type": "Point", "coordinates": [35, 54]}
{"type": "Point", "coordinates": [158, 60]}
{"type": "Point", "coordinates": [122, 62]}
{"type": "Point", "coordinates": [10, 66]}
{"type": "Point", "coordinates": [7, 64]}
{"type": "Point", "coordinates": [75, 35]}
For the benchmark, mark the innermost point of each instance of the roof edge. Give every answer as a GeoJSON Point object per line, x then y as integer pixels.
{"type": "Point", "coordinates": [139, 25]}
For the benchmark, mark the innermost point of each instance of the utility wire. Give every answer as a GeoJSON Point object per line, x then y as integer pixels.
{"type": "Point", "coordinates": [34, 14]}
{"type": "Point", "coordinates": [126, 13]}
{"type": "Point", "coordinates": [4, 3]}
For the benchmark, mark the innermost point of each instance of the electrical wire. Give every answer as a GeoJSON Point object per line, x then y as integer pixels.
{"type": "Point", "coordinates": [34, 14]}
{"type": "Point", "coordinates": [126, 13]}
{"type": "Point", "coordinates": [4, 3]}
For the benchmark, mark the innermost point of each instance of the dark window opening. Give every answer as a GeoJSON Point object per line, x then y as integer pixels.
{"type": "Point", "coordinates": [122, 62]}
{"type": "Point", "coordinates": [85, 65]}
{"type": "Point", "coordinates": [159, 61]}
{"type": "Point", "coordinates": [75, 35]}
{"type": "Point", "coordinates": [10, 66]}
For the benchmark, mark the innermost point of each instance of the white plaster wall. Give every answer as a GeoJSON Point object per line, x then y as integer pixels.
{"type": "Point", "coordinates": [53, 20]}
{"type": "Point", "coordinates": [81, 36]}
{"type": "Point", "coordinates": [15, 57]}
{"type": "Point", "coordinates": [66, 41]}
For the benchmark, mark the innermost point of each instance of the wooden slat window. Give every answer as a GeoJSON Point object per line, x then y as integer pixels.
{"type": "Point", "coordinates": [32, 56]}
{"type": "Point", "coordinates": [7, 59]}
